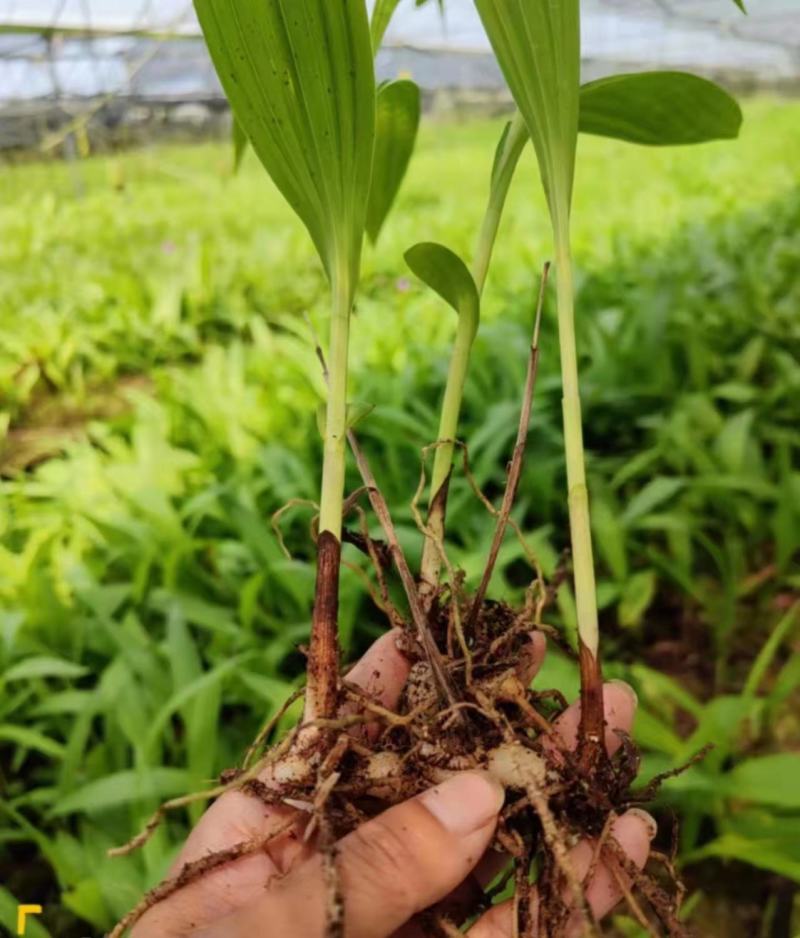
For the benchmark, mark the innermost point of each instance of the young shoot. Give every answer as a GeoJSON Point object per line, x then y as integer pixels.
{"type": "Point", "coordinates": [300, 78]}
{"type": "Point", "coordinates": [537, 43]}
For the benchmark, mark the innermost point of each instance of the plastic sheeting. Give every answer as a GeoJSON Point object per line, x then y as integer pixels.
{"type": "Point", "coordinates": [118, 56]}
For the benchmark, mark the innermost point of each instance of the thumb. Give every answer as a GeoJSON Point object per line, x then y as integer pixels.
{"type": "Point", "coordinates": [391, 868]}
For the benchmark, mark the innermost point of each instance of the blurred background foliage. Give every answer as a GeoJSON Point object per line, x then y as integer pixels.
{"type": "Point", "coordinates": [157, 391]}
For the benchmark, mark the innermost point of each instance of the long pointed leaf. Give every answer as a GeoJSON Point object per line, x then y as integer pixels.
{"type": "Point", "coordinates": [381, 17]}
{"type": "Point", "coordinates": [396, 133]}
{"type": "Point", "coordinates": [240, 142]}
{"type": "Point", "coordinates": [659, 108]}
{"type": "Point", "coordinates": [300, 78]}
{"type": "Point", "coordinates": [537, 43]}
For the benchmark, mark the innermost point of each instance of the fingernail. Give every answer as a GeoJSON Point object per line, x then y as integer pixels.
{"type": "Point", "coordinates": [465, 803]}
{"type": "Point", "coordinates": [647, 819]}
{"type": "Point", "coordinates": [624, 685]}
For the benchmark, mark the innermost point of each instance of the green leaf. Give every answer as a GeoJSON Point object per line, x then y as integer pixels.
{"type": "Point", "coordinates": [446, 274]}
{"type": "Point", "coordinates": [654, 685]}
{"type": "Point", "coordinates": [356, 412]}
{"type": "Point", "coordinates": [758, 853]}
{"type": "Point", "coordinates": [610, 537]}
{"type": "Point", "coordinates": [397, 122]}
{"type": "Point", "coordinates": [770, 648]}
{"type": "Point", "coordinates": [659, 109]}
{"type": "Point", "coordinates": [769, 780]}
{"type": "Point", "coordinates": [31, 739]}
{"type": "Point", "coordinates": [300, 78]}
{"type": "Point", "coordinates": [652, 733]}
{"type": "Point", "coordinates": [9, 906]}
{"type": "Point", "coordinates": [201, 684]}
{"type": "Point", "coordinates": [44, 666]}
{"type": "Point", "coordinates": [381, 17]}
{"type": "Point", "coordinates": [655, 493]}
{"type": "Point", "coordinates": [636, 598]}
{"type": "Point", "coordinates": [240, 143]}
{"type": "Point", "coordinates": [537, 43]}
{"type": "Point", "coordinates": [122, 788]}
{"type": "Point", "coordinates": [733, 440]}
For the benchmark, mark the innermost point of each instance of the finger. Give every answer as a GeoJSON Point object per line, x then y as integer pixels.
{"type": "Point", "coordinates": [633, 832]}
{"type": "Point", "coordinates": [619, 705]}
{"type": "Point", "coordinates": [531, 657]}
{"type": "Point", "coordinates": [391, 868]}
{"type": "Point", "coordinates": [383, 671]}
{"type": "Point", "coordinates": [382, 674]}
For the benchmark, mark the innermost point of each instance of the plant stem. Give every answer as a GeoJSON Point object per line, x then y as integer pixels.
{"type": "Point", "coordinates": [443, 458]}
{"type": "Point", "coordinates": [323, 657]}
{"type": "Point", "coordinates": [592, 719]}
{"type": "Point", "coordinates": [505, 166]}
{"type": "Point", "coordinates": [382, 513]}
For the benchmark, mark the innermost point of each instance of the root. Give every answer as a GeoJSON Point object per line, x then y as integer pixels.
{"type": "Point", "coordinates": [515, 468]}
{"type": "Point", "coordinates": [195, 871]}
{"type": "Point", "coordinates": [560, 851]}
{"type": "Point", "coordinates": [135, 843]}
{"type": "Point", "coordinates": [435, 538]}
{"type": "Point", "coordinates": [277, 517]}
{"type": "Point", "coordinates": [662, 904]}
{"type": "Point", "coordinates": [260, 741]}
{"type": "Point", "coordinates": [630, 900]}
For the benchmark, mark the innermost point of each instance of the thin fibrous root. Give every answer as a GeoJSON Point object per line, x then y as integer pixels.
{"type": "Point", "coordinates": [515, 467]}
{"type": "Point", "coordinates": [240, 780]}
{"type": "Point", "coordinates": [135, 843]}
{"type": "Point", "coordinates": [436, 539]}
{"type": "Point", "coordinates": [275, 520]}
{"type": "Point", "coordinates": [196, 870]}
{"type": "Point", "coordinates": [530, 554]}
{"type": "Point", "coordinates": [555, 841]}
{"type": "Point", "coordinates": [334, 913]}
{"type": "Point", "coordinates": [264, 734]}
{"type": "Point", "coordinates": [630, 899]}
{"type": "Point", "coordinates": [659, 899]}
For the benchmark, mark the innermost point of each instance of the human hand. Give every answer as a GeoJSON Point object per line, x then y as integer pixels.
{"type": "Point", "coordinates": [407, 859]}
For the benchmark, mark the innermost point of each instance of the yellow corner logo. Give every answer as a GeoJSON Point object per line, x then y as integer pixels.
{"type": "Point", "coordinates": [22, 914]}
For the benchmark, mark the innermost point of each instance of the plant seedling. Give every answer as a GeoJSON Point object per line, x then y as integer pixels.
{"type": "Point", "coordinates": [300, 78]}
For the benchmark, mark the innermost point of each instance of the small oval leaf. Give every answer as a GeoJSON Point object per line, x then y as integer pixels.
{"type": "Point", "coordinates": [446, 274]}
{"type": "Point", "coordinates": [356, 412]}
{"type": "Point", "coordinates": [659, 109]}
{"type": "Point", "coordinates": [397, 122]}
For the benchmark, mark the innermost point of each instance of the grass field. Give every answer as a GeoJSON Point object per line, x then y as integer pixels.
{"type": "Point", "coordinates": [157, 398]}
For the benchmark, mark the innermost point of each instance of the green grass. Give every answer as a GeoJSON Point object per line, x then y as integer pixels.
{"type": "Point", "coordinates": [148, 619]}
